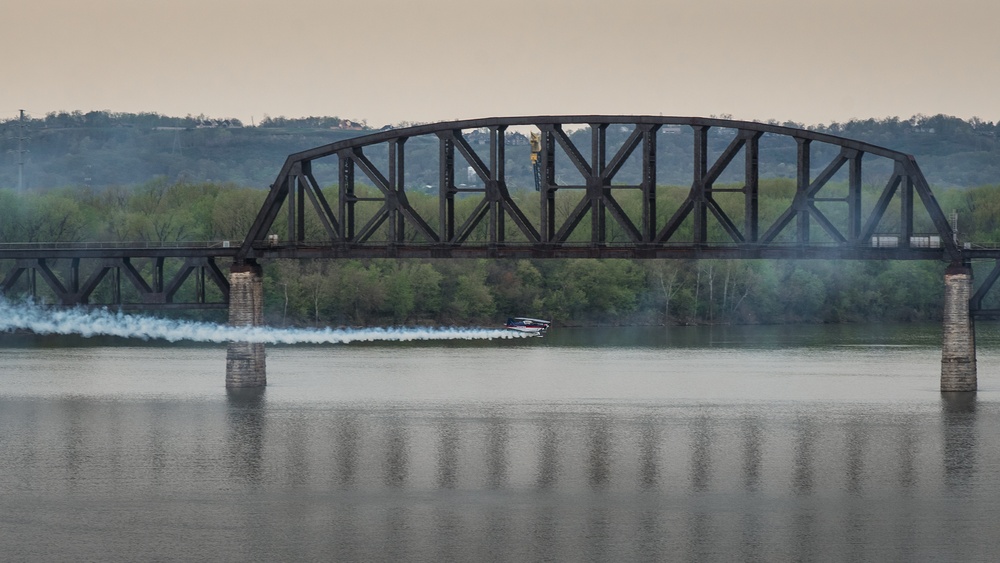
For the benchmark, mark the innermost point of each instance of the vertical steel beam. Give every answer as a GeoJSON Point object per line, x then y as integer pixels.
{"type": "Point", "coordinates": [801, 190]}
{"type": "Point", "coordinates": [649, 184]}
{"type": "Point", "coordinates": [906, 211]}
{"type": "Point", "coordinates": [74, 276]}
{"type": "Point", "coordinates": [446, 189]}
{"type": "Point", "coordinates": [751, 188]}
{"type": "Point", "coordinates": [397, 181]}
{"type": "Point", "coordinates": [548, 194]}
{"type": "Point", "coordinates": [293, 182]}
{"type": "Point", "coordinates": [199, 284]}
{"type": "Point", "coordinates": [498, 151]}
{"type": "Point", "coordinates": [392, 210]}
{"type": "Point", "coordinates": [346, 193]}
{"type": "Point", "coordinates": [300, 203]}
{"type": "Point", "coordinates": [116, 286]}
{"type": "Point", "coordinates": [596, 183]}
{"type": "Point", "coordinates": [700, 197]}
{"type": "Point", "coordinates": [854, 197]}
{"type": "Point", "coordinates": [158, 275]}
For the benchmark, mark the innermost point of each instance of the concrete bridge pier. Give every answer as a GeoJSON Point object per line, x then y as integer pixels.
{"type": "Point", "coordinates": [958, 343]}
{"type": "Point", "coordinates": [245, 360]}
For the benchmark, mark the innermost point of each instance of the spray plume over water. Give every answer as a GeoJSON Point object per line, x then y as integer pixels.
{"type": "Point", "coordinates": [88, 323]}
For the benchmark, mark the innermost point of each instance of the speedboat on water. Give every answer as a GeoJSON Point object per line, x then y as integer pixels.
{"type": "Point", "coordinates": [526, 324]}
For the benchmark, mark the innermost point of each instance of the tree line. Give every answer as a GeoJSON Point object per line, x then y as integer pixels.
{"type": "Point", "coordinates": [473, 291]}
{"type": "Point", "coordinates": [103, 148]}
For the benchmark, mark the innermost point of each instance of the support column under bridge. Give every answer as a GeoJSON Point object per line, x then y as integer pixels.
{"type": "Point", "coordinates": [958, 341]}
{"type": "Point", "coordinates": [245, 365]}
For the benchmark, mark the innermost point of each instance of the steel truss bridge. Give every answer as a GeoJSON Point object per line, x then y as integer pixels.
{"type": "Point", "coordinates": [597, 197]}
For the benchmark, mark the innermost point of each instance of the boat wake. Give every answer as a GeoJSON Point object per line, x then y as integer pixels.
{"type": "Point", "coordinates": [101, 322]}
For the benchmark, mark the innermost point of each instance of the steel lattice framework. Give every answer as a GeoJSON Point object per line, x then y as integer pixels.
{"type": "Point", "coordinates": [398, 228]}
{"type": "Point", "coordinates": [835, 210]}
{"type": "Point", "coordinates": [125, 276]}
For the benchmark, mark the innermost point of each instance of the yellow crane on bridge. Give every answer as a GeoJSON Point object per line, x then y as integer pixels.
{"type": "Point", "coordinates": [535, 141]}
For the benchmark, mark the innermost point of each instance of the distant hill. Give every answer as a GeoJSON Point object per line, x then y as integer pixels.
{"type": "Point", "coordinates": [951, 152]}
{"type": "Point", "coordinates": [105, 148]}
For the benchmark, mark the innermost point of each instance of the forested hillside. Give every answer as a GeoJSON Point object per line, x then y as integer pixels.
{"type": "Point", "coordinates": [100, 148]}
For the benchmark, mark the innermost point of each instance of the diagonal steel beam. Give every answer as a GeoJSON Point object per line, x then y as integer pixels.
{"type": "Point", "coordinates": [622, 218]}
{"type": "Point", "coordinates": [878, 212]}
{"type": "Point", "coordinates": [556, 131]}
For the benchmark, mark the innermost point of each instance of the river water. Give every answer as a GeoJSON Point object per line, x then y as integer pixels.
{"type": "Point", "coordinates": [819, 443]}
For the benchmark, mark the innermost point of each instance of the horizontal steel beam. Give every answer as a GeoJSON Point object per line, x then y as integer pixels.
{"type": "Point", "coordinates": [50, 251]}
{"type": "Point", "coordinates": [544, 251]}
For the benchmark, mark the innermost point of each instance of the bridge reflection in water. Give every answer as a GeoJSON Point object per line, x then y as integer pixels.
{"type": "Point", "coordinates": [637, 483]}
{"type": "Point", "coordinates": [577, 482]}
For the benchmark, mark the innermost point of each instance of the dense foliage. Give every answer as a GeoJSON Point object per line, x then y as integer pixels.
{"type": "Point", "coordinates": [353, 292]}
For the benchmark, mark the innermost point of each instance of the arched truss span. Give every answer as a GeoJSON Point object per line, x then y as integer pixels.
{"type": "Point", "coordinates": [587, 205]}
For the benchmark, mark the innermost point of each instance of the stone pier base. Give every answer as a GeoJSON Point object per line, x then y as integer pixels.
{"type": "Point", "coordinates": [245, 365]}
{"type": "Point", "coordinates": [958, 343]}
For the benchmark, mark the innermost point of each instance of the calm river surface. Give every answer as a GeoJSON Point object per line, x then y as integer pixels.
{"type": "Point", "coordinates": [819, 443]}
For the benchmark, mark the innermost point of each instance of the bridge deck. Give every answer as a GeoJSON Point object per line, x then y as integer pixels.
{"type": "Point", "coordinates": [507, 250]}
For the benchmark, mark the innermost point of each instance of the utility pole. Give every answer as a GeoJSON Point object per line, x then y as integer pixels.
{"type": "Point", "coordinates": [20, 153]}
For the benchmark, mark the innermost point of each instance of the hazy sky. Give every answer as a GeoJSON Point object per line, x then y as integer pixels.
{"type": "Point", "coordinates": [387, 61]}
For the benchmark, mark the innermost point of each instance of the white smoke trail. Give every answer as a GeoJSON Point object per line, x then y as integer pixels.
{"type": "Point", "coordinates": [88, 323]}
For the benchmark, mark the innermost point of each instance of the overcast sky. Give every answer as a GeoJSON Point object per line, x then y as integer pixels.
{"type": "Point", "coordinates": [387, 61]}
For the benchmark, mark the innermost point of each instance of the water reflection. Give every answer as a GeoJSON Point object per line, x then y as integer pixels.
{"type": "Point", "coordinates": [607, 482]}
{"type": "Point", "coordinates": [752, 535]}
{"type": "Point", "coordinates": [958, 418]}
{"type": "Point", "coordinates": [497, 455]}
{"type": "Point", "coordinates": [447, 453]}
{"type": "Point", "coordinates": [649, 453]}
{"type": "Point", "coordinates": [158, 451]}
{"type": "Point", "coordinates": [347, 448]}
{"type": "Point", "coordinates": [548, 455]}
{"type": "Point", "coordinates": [857, 437]}
{"type": "Point", "coordinates": [245, 437]}
{"type": "Point", "coordinates": [907, 447]}
{"type": "Point", "coordinates": [598, 446]}
{"type": "Point", "coordinates": [805, 440]}
{"type": "Point", "coordinates": [75, 429]}
{"type": "Point", "coordinates": [799, 452]}
{"type": "Point", "coordinates": [701, 453]}
{"type": "Point", "coordinates": [753, 431]}
{"type": "Point", "coordinates": [395, 467]}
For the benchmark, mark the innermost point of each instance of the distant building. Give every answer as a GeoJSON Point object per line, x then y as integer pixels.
{"type": "Point", "coordinates": [350, 125]}
{"type": "Point", "coordinates": [482, 137]}
{"type": "Point", "coordinates": [217, 123]}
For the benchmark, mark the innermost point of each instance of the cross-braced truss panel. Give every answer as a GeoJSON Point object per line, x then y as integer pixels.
{"type": "Point", "coordinates": [604, 185]}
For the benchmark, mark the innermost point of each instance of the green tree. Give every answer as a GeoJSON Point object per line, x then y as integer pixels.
{"type": "Point", "coordinates": [472, 300]}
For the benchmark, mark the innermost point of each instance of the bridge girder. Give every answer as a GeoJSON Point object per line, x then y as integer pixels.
{"type": "Point", "coordinates": [150, 282]}
{"type": "Point", "coordinates": [381, 220]}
